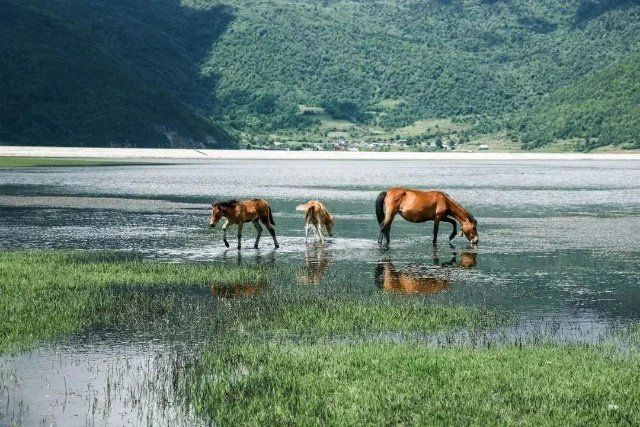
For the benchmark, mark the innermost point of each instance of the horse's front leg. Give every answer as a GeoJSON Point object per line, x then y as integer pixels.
{"type": "Point", "coordinates": [240, 235]}
{"type": "Point", "coordinates": [455, 227]}
{"type": "Point", "coordinates": [307, 226]}
{"type": "Point", "coordinates": [256, 224]}
{"type": "Point", "coordinates": [319, 232]}
{"type": "Point", "coordinates": [224, 232]}
{"type": "Point", "coordinates": [436, 225]}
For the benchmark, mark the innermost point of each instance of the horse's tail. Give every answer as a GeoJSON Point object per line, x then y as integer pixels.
{"type": "Point", "coordinates": [302, 207]}
{"type": "Point", "coordinates": [271, 217]}
{"type": "Point", "coordinates": [311, 212]}
{"type": "Point", "coordinates": [380, 206]}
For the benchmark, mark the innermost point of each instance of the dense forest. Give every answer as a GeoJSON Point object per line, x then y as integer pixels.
{"type": "Point", "coordinates": [62, 84]}
{"type": "Point", "coordinates": [602, 108]}
{"type": "Point", "coordinates": [541, 70]}
{"type": "Point", "coordinates": [492, 60]}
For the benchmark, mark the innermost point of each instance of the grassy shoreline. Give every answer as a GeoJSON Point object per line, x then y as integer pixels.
{"type": "Point", "coordinates": [50, 293]}
{"type": "Point", "coordinates": [45, 294]}
{"type": "Point", "coordinates": [50, 162]}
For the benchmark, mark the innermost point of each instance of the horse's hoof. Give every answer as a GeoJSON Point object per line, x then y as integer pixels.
{"type": "Point", "coordinates": [255, 246]}
{"type": "Point", "coordinates": [277, 246]}
{"type": "Point", "coordinates": [226, 244]}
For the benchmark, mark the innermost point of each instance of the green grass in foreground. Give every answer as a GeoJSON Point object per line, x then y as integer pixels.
{"type": "Point", "coordinates": [28, 162]}
{"type": "Point", "coordinates": [47, 293]}
{"type": "Point", "coordinates": [385, 384]}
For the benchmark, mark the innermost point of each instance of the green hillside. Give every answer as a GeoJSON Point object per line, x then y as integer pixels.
{"type": "Point", "coordinates": [427, 59]}
{"type": "Point", "coordinates": [601, 109]}
{"type": "Point", "coordinates": [265, 66]}
{"type": "Point", "coordinates": [60, 86]}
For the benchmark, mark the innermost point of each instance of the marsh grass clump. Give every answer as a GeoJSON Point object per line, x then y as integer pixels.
{"type": "Point", "coordinates": [48, 293]}
{"type": "Point", "coordinates": [295, 315]}
{"type": "Point", "coordinates": [391, 384]}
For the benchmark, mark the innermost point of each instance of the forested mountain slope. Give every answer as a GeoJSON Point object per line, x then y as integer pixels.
{"type": "Point", "coordinates": [602, 108]}
{"type": "Point", "coordinates": [59, 85]}
{"type": "Point", "coordinates": [426, 59]}
{"type": "Point", "coordinates": [251, 64]}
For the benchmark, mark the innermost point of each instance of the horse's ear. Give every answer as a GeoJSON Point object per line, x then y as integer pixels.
{"type": "Point", "coordinates": [213, 205]}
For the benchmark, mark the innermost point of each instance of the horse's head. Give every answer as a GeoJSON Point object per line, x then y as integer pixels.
{"type": "Point", "coordinates": [328, 224]}
{"type": "Point", "coordinates": [216, 214]}
{"type": "Point", "coordinates": [470, 231]}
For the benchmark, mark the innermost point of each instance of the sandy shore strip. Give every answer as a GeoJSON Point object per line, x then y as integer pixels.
{"type": "Point", "coordinates": [170, 153]}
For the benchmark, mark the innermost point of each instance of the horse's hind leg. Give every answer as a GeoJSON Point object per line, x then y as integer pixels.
{"type": "Point", "coordinates": [272, 231]}
{"type": "Point", "coordinates": [436, 225]}
{"type": "Point", "coordinates": [256, 224]}
{"type": "Point", "coordinates": [385, 227]}
{"type": "Point", "coordinates": [240, 235]}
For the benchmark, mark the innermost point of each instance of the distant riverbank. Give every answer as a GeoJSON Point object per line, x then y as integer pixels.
{"type": "Point", "coordinates": [160, 153]}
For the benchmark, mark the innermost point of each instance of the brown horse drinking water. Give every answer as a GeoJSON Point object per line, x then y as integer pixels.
{"type": "Point", "coordinates": [421, 206]}
{"type": "Point", "coordinates": [235, 212]}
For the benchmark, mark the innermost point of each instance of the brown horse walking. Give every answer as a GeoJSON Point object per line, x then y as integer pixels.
{"type": "Point", "coordinates": [235, 212]}
{"type": "Point", "coordinates": [421, 206]}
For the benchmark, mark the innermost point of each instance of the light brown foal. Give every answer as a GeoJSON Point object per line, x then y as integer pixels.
{"type": "Point", "coordinates": [317, 216]}
{"type": "Point", "coordinates": [421, 206]}
{"type": "Point", "coordinates": [238, 213]}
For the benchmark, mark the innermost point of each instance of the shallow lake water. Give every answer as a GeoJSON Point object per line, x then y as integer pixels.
{"type": "Point", "coordinates": [559, 248]}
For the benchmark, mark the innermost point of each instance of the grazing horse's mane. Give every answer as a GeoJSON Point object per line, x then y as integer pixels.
{"type": "Point", "coordinates": [472, 218]}
{"type": "Point", "coordinates": [227, 203]}
{"type": "Point", "coordinates": [457, 205]}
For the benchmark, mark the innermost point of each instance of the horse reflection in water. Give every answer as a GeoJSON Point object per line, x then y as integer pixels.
{"type": "Point", "coordinates": [418, 280]}
{"type": "Point", "coordinates": [224, 291]}
{"type": "Point", "coordinates": [237, 291]}
{"type": "Point", "coordinates": [257, 258]}
{"type": "Point", "coordinates": [317, 262]}
{"type": "Point", "coordinates": [467, 260]}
